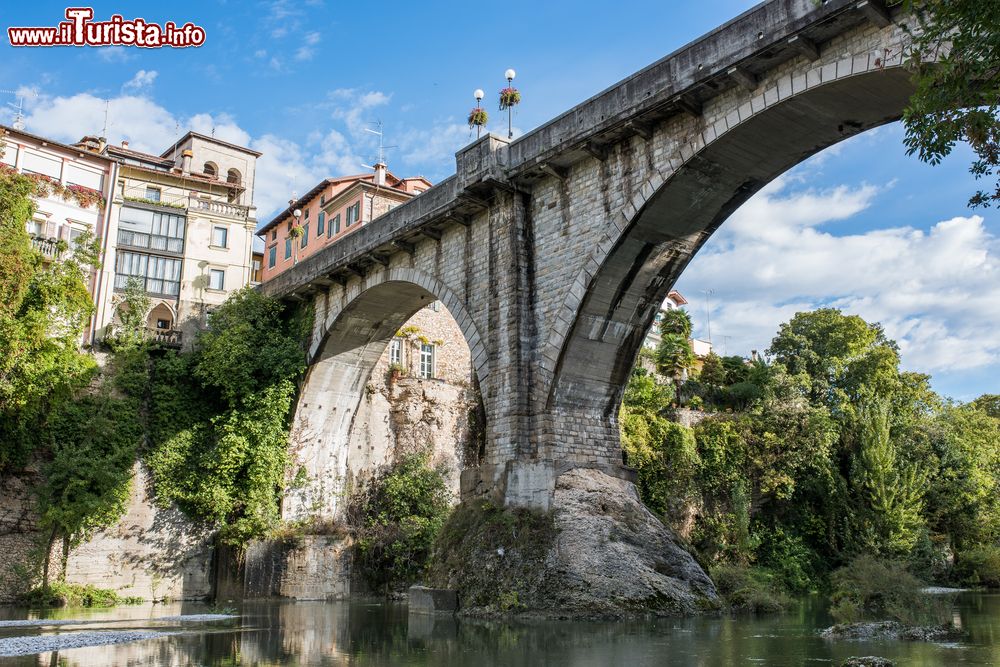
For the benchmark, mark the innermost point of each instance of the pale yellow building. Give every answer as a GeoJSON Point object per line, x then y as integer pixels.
{"type": "Point", "coordinates": [185, 226]}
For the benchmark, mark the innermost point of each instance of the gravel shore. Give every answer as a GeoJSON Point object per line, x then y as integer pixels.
{"type": "Point", "coordinates": [10, 646]}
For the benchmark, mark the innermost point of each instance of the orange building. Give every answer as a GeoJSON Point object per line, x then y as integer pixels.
{"type": "Point", "coordinates": [335, 207]}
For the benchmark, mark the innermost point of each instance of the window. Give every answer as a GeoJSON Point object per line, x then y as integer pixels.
{"type": "Point", "coordinates": [288, 248]}
{"type": "Point", "coordinates": [396, 351]}
{"type": "Point", "coordinates": [210, 169]}
{"type": "Point", "coordinates": [159, 275]}
{"type": "Point", "coordinates": [36, 228]}
{"type": "Point", "coordinates": [153, 194]}
{"type": "Point", "coordinates": [322, 199]}
{"type": "Point", "coordinates": [352, 213]}
{"type": "Point", "coordinates": [305, 236]}
{"type": "Point", "coordinates": [335, 225]}
{"type": "Point", "coordinates": [216, 279]}
{"type": "Point", "coordinates": [306, 215]}
{"type": "Point", "coordinates": [162, 324]}
{"type": "Point", "coordinates": [274, 234]}
{"type": "Point", "coordinates": [220, 237]}
{"type": "Point", "coordinates": [320, 224]}
{"type": "Point", "coordinates": [142, 228]}
{"type": "Point", "coordinates": [426, 360]}
{"type": "Point", "coordinates": [233, 176]}
{"type": "Point", "coordinates": [272, 256]}
{"type": "Point", "coordinates": [74, 234]}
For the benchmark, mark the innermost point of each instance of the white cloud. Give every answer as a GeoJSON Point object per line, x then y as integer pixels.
{"type": "Point", "coordinates": [308, 50]}
{"type": "Point", "coordinates": [284, 167]}
{"type": "Point", "coordinates": [936, 290]}
{"type": "Point", "coordinates": [142, 79]}
{"type": "Point", "coordinates": [114, 54]}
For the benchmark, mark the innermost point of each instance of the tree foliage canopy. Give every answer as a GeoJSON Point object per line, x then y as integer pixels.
{"type": "Point", "coordinates": [956, 62]}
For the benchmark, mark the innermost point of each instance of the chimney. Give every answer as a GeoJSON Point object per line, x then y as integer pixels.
{"type": "Point", "coordinates": [124, 143]}
{"type": "Point", "coordinates": [380, 170]}
{"type": "Point", "coordinates": [186, 161]}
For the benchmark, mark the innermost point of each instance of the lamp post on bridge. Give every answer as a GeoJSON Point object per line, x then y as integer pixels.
{"type": "Point", "coordinates": [509, 97]}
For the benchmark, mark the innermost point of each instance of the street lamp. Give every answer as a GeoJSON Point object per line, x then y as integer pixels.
{"type": "Point", "coordinates": [479, 95]}
{"type": "Point", "coordinates": [509, 75]}
{"type": "Point", "coordinates": [295, 225]}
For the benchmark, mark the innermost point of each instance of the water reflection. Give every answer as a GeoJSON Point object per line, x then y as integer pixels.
{"type": "Point", "coordinates": [362, 634]}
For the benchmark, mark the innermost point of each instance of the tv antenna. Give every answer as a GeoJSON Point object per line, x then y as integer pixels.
{"type": "Point", "coordinates": [381, 148]}
{"type": "Point", "coordinates": [18, 123]}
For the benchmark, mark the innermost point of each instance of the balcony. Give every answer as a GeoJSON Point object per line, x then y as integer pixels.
{"type": "Point", "coordinates": [151, 241]}
{"type": "Point", "coordinates": [49, 248]}
{"type": "Point", "coordinates": [165, 337]}
{"type": "Point", "coordinates": [219, 208]}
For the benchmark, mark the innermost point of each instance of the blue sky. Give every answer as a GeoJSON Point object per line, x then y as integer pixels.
{"type": "Point", "coordinates": [861, 226]}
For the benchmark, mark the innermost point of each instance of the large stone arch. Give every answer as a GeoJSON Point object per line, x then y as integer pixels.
{"type": "Point", "coordinates": [693, 190]}
{"type": "Point", "coordinates": [353, 327]}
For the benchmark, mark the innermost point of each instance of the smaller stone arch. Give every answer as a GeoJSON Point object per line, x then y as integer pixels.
{"type": "Point", "coordinates": [234, 177]}
{"type": "Point", "coordinates": [354, 324]}
{"type": "Point", "coordinates": [161, 317]}
{"type": "Point", "coordinates": [211, 169]}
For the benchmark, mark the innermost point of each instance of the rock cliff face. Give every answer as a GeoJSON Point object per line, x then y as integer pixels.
{"type": "Point", "coordinates": [598, 552]}
{"type": "Point", "coordinates": [612, 556]}
{"type": "Point", "coordinates": [152, 553]}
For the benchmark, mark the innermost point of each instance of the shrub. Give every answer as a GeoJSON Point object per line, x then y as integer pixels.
{"type": "Point", "coordinates": [979, 566]}
{"type": "Point", "coordinates": [61, 594]}
{"type": "Point", "coordinates": [871, 589]}
{"type": "Point", "coordinates": [753, 590]}
{"type": "Point", "coordinates": [395, 517]}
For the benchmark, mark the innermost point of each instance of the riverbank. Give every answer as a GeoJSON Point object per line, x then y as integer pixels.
{"type": "Point", "coordinates": [380, 634]}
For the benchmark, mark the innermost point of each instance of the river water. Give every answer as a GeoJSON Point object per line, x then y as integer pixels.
{"type": "Point", "coordinates": [362, 634]}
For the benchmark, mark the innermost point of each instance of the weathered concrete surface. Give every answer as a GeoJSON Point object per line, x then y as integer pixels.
{"type": "Point", "coordinates": [424, 600]}
{"type": "Point", "coordinates": [312, 567]}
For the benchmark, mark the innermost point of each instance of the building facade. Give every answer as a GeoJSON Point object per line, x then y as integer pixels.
{"type": "Point", "coordinates": [185, 229]}
{"type": "Point", "coordinates": [331, 210]}
{"type": "Point", "coordinates": [74, 189]}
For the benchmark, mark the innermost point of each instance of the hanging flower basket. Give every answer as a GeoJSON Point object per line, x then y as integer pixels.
{"type": "Point", "coordinates": [478, 117]}
{"type": "Point", "coordinates": [295, 232]}
{"type": "Point", "coordinates": [509, 97]}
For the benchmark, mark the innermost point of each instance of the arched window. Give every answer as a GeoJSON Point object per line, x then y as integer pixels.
{"type": "Point", "coordinates": [233, 177]}
{"type": "Point", "coordinates": [211, 169]}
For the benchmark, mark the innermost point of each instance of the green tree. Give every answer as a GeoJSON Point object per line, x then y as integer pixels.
{"type": "Point", "coordinates": [843, 357]}
{"type": "Point", "coordinates": [889, 490]}
{"type": "Point", "coordinates": [131, 307]}
{"type": "Point", "coordinates": [956, 63]}
{"type": "Point", "coordinates": [674, 356]}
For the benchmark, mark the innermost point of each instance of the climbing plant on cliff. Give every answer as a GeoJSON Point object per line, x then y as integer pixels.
{"type": "Point", "coordinates": [44, 309]}
{"type": "Point", "coordinates": [90, 447]}
{"type": "Point", "coordinates": [219, 416]}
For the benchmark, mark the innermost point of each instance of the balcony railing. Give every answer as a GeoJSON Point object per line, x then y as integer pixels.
{"type": "Point", "coordinates": [48, 247]}
{"type": "Point", "coordinates": [151, 285]}
{"type": "Point", "coordinates": [151, 241]}
{"type": "Point", "coordinates": [165, 337]}
{"type": "Point", "coordinates": [222, 208]}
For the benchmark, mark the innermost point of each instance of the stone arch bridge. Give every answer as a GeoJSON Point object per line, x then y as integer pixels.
{"type": "Point", "coordinates": [553, 252]}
